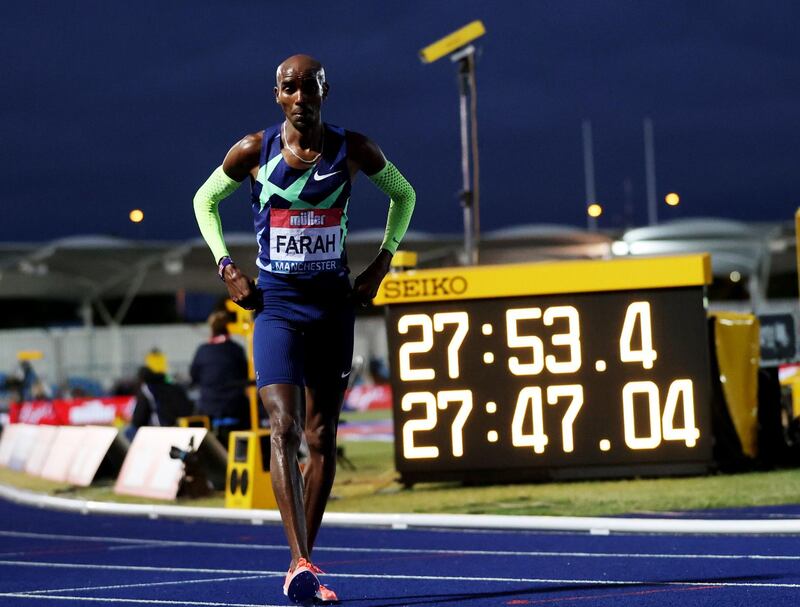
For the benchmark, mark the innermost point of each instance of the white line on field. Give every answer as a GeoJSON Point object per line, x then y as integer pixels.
{"type": "Point", "coordinates": [385, 576]}
{"type": "Point", "coordinates": [139, 568]}
{"type": "Point", "coordinates": [400, 520]}
{"type": "Point", "coordinates": [151, 543]}
{"type": "Point", "coordinates": [137, 546]}
{"type": "Point", "coordinates": [148, 584]}
{"type": "Point", "coordinates": [22, 595]}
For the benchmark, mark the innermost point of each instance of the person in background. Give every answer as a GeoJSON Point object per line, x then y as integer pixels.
{"type": "Point", "coordinates": [156, 361]}
{"type": "Point", "coordinates": [158, 402]}
{"type": "Point", "coordinates": [24, 384]}
{"type": "Point", "coordinates": [219, 370]}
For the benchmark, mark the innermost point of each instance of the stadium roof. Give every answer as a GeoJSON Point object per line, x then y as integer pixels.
{"type": "Point", "coordinates": [734, 246]}
{"type": "Point", "coordinates": [92, 267]}
{"type": "Point", "coordinates": [89, 267]}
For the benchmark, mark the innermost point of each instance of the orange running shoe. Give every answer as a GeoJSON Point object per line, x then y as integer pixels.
{"type": "Point", "coordinates": [301, 583]}
{"type": "Point", "coordinates": [325, 595]}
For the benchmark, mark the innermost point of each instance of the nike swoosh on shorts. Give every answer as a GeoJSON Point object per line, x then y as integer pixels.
{"type": "Point", "coordinates": [320, 177]}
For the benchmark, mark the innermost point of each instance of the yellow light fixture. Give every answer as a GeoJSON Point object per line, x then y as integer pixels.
{"type": "Point", "coordinates": [594, 210]}
{"type": "Point", "coordinates": [672, 199]}
{"type": "Point", "coordinates": [452, 42]}
{"type": "Point", "coordinates": [136, 215]}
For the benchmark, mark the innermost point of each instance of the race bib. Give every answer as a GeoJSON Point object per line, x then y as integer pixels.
{"type": "Point", "coordinates": [308, 240]}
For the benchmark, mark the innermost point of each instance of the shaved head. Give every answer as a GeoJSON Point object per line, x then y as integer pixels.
{"type": "Point", "coordinates": [300, 65]}
{"type": "Point", "coordinates": [300, 89]}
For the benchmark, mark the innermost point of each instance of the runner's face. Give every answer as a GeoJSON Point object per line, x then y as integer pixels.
{"type": "Point", "coordinates": [300, 93]}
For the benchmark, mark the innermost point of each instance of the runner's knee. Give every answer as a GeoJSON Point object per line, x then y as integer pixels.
{"type": "Point", "coordinates": [285, 430]}
{"type": "Point", "coordinates": [322, 438]}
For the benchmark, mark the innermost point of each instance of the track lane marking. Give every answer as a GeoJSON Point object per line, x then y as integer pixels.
{"type": "Point", "coordinates": [22, 595]}
{"type": "Point", "coordinates": [56, 565]}
{"type": "Point", "coordinates": [149, 584]}
{"type": "Point", "coordinates": [156, 544]}
{"type": "Point", "coordinates": [447, 578]}
{"type": "Point", "coordinates": [607, 596]}
{"type": "Point", "coordinates": [151, 543]}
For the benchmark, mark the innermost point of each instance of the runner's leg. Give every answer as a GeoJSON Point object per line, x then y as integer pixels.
{"type": "Point", "coordinates": [284, 404]}
{"type": "Point", "coordinates": [278, 358]}
{"type": "Point", "coordinates": [329, 356]}
{"type": "Point", "coordinates": [322, 419]}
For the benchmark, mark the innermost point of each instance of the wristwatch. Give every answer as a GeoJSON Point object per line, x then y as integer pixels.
{"type": "Point", "coordinates": [223, 263]}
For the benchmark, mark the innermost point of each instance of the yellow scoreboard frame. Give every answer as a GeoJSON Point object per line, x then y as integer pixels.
{"type": "Point", "coordinates": [550, 370]}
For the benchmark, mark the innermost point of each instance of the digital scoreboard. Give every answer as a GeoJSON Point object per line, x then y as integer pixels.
{"type": "Point", "coordinates": [552, 370]}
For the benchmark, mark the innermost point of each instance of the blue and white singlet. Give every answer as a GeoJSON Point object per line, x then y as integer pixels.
{"type": "Point", "coordinates": [300, 215]}
{"type": "Point", "coordinates": [303, 332]}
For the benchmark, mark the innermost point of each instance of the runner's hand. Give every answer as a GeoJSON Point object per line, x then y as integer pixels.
{"type": "Point", "coordinates": [366, 284]}
{"type": "Point", "coordinates": [241, 289]}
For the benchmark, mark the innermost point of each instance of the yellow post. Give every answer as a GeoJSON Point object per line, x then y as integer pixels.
{"type": "Point", "coordinates": [243, 325]}
{"type": "Point", "coordinates": [738, 355]}
{"type": "Point", "coordinates": [194, 421]}
{"type": "Point", "coordinates": [795, 388]}
{"type": "Point", "coordinates": [249, 484]}
{"type": "Point", "coordinates": [404, 260]}
{"type": "Point", "coordinates": [797, 241]}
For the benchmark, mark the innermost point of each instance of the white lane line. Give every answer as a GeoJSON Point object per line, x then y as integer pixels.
{"type": "Point", "coordinates": [56, 565]}
{"type": "Point", "coordinates": [148, 584]}
{"type": "Point", "coordinates": [155, 544]}
{"type": "Point", "coordinates": [397, 520]}
{"type": "Point", "coordinates": [152, 543]}
{"type": "Point", "coordinates": [385, 576]}
{"type": "Point", "coordinates": [85, 538]}
{"type": "Point", "coordinates": [4, 555]}
{"type": "Point", "coordinates": [21, 595]}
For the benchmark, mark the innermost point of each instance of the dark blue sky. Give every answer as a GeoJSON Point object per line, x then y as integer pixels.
{"type": "Point", "coordinates": [110, 105]}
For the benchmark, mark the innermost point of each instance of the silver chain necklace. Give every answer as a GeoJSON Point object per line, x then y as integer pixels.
{"type": "Point", "coordinates": [293, 153]}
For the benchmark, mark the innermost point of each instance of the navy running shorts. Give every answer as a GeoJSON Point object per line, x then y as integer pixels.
{"type": "Point", "coordinates": [303, 334]}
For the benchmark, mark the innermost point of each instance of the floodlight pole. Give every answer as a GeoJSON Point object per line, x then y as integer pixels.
{"type": "Point", "coordinates": [650, 172]}
{"type": "Point", "coordinates": [470, 192]}
{"type": "Point", "coordinates": [588, 172]}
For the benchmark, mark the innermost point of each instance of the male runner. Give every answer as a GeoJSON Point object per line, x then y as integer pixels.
{"type": "Point", "coordinates": [300, 174]}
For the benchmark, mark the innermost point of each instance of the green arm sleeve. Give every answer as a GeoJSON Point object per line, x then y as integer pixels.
{"type": "Point", "coordinates": [206, 203]}
{"type": "Point", "coordinates": [401, 204]}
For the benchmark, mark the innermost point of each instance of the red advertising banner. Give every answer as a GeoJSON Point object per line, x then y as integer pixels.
{"type": "Point", "coordinates": [106, 411]}
{"type": "Point", "coordinates": [368, 396]}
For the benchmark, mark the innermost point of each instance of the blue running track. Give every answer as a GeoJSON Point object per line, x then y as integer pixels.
{"type": "Point", "coordinates": [60, 558]}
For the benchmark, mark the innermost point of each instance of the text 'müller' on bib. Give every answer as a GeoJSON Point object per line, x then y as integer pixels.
{"type": "Point", "coordinates": [307, 240]}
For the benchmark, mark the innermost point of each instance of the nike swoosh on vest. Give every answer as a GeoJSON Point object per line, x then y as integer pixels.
{"type": "Point", "coordinates": [320, 177]}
